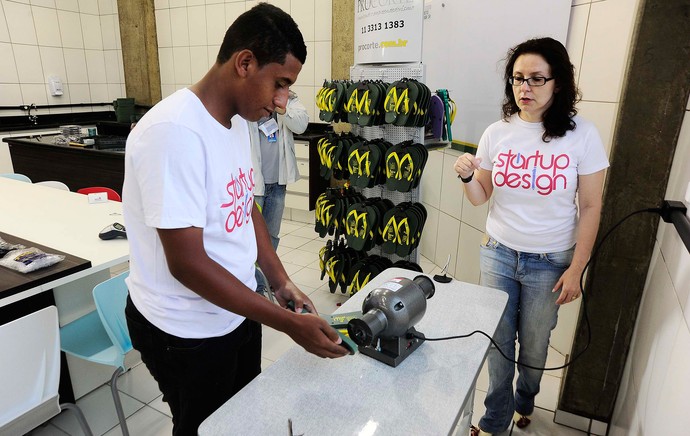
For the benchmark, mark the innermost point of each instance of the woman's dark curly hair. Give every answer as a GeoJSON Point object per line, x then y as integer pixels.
{"type": "Point", "coordinates": [558, 118]}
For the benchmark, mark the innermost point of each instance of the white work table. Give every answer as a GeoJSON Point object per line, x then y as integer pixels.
{"type": "Point", "coordinates": [427, 394]}
{"type": "Point", "coordinates": [61, 220]}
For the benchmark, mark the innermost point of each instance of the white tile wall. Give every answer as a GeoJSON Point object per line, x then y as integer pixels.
{"type": "Point", "coordinates": [109, 23]}
{"type": "Point", "coordinates": [75, 62]}
{"type": "Point", "coordinates": [427, 244]}
{"type": "Point", "coordinates": [9, 94]}
{"type": "Point", "coordinates": [163, 30]}
{"type": "Point", "coordinates": [88, 7]}
{"type": "Point", "coordinates": [183, 67]}
{"type": "Point", "coordinates": [95, 66]}
{"type": "Point", "coordinates": [70, 29]}
{"type": "Point", "coordinates": [4, 32]}
{"type": "Point", "coordinates": [107, 6]}
{"type": "Point", "coordinates": [447, 241]}
{"type": "Point", "coordinates": [20, 23]}
{"type": "Point", "coordinates": [603, 64]}
{"type": "Point", "coordinates": [189, 26]}
{"type": "Point", "coordinates": [91, 29]}
{"type": "Point", "coordinates": [430, 184]}
{"type": "Point", "coordinates": [452, 193]}
{"type": "Point", "coordinates": [28, 63]}
{"type": "Point", "coordinates": [67, 5]}
{"type": "Point", "coordinates": [603, 115]}
{"type": "Point", "coordinates": [196, 17]}
{"type": "Point", "coordinates": [47, 27]}
{"type": "Point", "coordinates": [232, 11]}
{"type": "Point", "coordinates": [69, 39]}
{"type": "Point", "coordinates": [467, 259]}
{"type": "Point", "coordinates": [180, 27]}
{"type": "Point", "coordinates": [577, 30]}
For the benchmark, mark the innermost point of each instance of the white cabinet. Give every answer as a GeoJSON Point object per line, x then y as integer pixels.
{"type": "Point", "coordinates": [297, 195]}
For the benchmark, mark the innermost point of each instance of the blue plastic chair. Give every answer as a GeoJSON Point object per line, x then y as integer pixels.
{"type": "Point", "coordinates": [30, 373]}
{"type": "Point", "coordinates": [16, 176]}
{"type": "Point", "coordinates": [102, 336]}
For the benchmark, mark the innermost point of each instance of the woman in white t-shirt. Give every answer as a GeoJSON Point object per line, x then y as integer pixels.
{"type": "Point", "coordinates": [540, 163]}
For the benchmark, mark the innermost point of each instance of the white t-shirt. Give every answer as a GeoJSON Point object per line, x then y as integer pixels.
{"type": "Point", "coordinates": [534, 208]}
{"type": "Point", "coordinates": [184, 169]}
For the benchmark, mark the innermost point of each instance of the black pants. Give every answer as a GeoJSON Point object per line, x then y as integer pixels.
{"type": "Point", "coordinates": [196, 376]}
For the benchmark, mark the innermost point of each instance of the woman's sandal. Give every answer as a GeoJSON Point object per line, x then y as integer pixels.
{"type": "Point", "coordinates": [521, 421]}
{"type": "Point", "coordinates": [476, 431]}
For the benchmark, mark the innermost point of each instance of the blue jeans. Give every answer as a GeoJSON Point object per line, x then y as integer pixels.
{"type": "Point", "coordinates": [272, 204]}
{"type": "Point", "coordinates": [530, 315]}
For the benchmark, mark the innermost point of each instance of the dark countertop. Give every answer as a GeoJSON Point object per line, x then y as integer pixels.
{"type": "Point", "coordinates": [314, 131]}
{"type": "Point", "coordinates": [47, 141]}
{"type": "Point", "coordinates": [53, 121]}
{"type": "Point", "coordinates": [107, 124]}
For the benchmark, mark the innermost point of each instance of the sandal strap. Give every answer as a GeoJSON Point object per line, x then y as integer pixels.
{"type": "Point", "coordinates": [521, 421]}
{"type": "Point", "coordinates": [476, 431]}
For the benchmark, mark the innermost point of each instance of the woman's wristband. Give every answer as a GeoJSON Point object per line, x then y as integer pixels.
{"type": "Point", "coordinates": [468, 179]}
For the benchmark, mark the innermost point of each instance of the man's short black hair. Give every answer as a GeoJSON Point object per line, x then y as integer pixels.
{"type": "Point", "coordinates": [268, 32]}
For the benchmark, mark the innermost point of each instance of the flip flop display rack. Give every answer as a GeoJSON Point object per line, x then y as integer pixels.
{"type": "Point", "coordinates": [376, 221]}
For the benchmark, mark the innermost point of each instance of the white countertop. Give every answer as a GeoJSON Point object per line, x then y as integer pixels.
{"type": "Point", "coordinates": [359, 395]}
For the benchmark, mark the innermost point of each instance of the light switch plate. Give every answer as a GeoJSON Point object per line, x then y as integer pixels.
{"type": "Point", "coordinates": [98, 197]}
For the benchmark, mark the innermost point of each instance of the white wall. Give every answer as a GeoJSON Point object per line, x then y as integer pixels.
{"type": "Point", "coordinates": [76, 40]}
{"type": "Point", "coordinates": [190, 33]}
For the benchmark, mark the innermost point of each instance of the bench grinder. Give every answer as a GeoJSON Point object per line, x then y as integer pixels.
{"type": "Point", "coordinates": [386, 329]}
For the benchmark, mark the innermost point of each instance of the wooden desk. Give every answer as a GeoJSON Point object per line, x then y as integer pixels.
{"type": "Point", "coordinates": [425, 395]}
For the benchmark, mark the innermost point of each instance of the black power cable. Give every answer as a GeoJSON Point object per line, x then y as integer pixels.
{"type": "Point", "coordinates": [584, 303]}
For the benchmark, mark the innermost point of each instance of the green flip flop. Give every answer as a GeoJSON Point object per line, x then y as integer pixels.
{"type": "Point", "coordinates": [407, 104]}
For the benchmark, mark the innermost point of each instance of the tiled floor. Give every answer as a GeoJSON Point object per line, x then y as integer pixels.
{"type": "Point", "coordinates": [147, 414]}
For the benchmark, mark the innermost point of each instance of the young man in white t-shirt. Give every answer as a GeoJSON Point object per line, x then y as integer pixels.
{"type": "Point", "coordinates": [194, 234]}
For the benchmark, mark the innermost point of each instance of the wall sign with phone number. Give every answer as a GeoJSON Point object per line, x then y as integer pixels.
{"type": "Point", "coordinates": [394, 24]}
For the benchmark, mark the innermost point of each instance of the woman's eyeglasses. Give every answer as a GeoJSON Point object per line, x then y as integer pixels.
{"type": "Point", "coordinates": [531, 81]}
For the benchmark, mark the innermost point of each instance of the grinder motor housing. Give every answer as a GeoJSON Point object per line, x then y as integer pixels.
{"type": "Point", "coordinates": [390, 312]}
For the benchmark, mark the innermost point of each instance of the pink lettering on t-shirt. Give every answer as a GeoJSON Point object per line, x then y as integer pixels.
{"type": "Point", "coordinates": [240, 188]}
{"type": "Point", "coordinates": [539, 172]}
